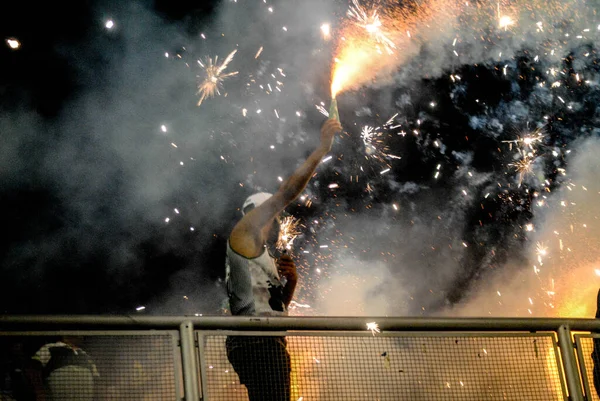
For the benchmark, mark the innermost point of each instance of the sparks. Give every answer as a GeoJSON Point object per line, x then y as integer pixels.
{"type": "Point", "coordinates": [288, 231]}
{"type": "Point", "coordinates": [322, 110]}
{"type": "Point", "coordinates": [505, 21]}
{"type": "Point", "coordinates": [529, 140]}
{"type": "Point", "coordinates": [541, 249]}
{"type": "Point", "coordinates": [374, 146]}
{"type": "Point", "coordinates": [358, 55]}
{"type": "Point", "coordinates": [213, 79]}
{"type": "Point", "coordinates": [13, 43]}
{"type": "Point", "coordinates": [295, 304]}
{"type": "Point", "coordinates": [374, 327]}
{"type": "Point", "coordinates": [371, 22]}
{"type": "Point", "coordinates": [326, 31]}
{"type": "Point", "coordinates": [523, 167]}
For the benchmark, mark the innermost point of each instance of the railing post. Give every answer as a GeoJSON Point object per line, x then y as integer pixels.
{"type": "Point", "coordinates": [188, 359]}
{"type": "Point", "coordinates": [567, 353]}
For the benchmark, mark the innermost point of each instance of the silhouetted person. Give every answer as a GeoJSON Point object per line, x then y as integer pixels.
{"type": "Point", "coordinates": [18, 372]}
{"type": "Point", "coordinates": [596, 351]}
{"type": "Point", "coordinates": [260, 285]}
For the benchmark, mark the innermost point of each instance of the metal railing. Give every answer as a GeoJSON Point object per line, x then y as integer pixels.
{"type": "Point", "coordinates": [333, 358]}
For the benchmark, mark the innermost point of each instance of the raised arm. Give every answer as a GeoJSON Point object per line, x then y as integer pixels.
{"type": "Point", "coordinates": [247, 237]}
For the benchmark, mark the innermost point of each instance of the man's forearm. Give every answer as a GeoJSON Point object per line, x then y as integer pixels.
{"type": "Point", "coordinates": [296, 183]}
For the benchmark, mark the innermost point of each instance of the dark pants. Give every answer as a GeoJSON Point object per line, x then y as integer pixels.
{"type": "Point", "coordinates": [596, 352]}
{"type": "Point", "coordinates": [263, 366]}
{"type": "Point", "coordinates": [596, 365]}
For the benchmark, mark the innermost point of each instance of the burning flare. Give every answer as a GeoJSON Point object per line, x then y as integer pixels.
{"type": "Point", "coordinates": [359, 47]}
{"type": "Point", "coordinates": [370, 40]}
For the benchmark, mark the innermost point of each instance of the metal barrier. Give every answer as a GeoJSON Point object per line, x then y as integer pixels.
{"type": "Point", "coordinates": [174, 358]}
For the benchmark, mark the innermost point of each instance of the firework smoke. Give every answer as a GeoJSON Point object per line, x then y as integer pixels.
{"type": "Point", "coordinates": [136, 173]}
{"type": "Point", "coordinates": [561, 279]}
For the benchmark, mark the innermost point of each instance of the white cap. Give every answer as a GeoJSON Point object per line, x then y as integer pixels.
{"type": "Point", "coordinates": [256, 200]}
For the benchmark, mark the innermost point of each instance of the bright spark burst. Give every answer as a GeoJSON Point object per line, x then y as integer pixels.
{"type": "Point", "coordinates": [326, 31]}
{"type": "Point", "coordinates": [523, 167]}
{"type": "Point", "coordinates": [528, 140]}
{"type": "Point", "coordinates": [374, 327]}
{"type": "Point", "coordinates": [214, 76]}
{"type": "Point", "coordinates": [288, 231]}
{"type": "Point", "coordinates": [505, 21]}
{"type": "Point", "coordinates": [541, 249]}
{"type": "Point", "coordinates": [370, 21]}
{"type": "Point", "coordinates": [368, 134]}
{"type": "Point", "coordinates": [374, 146]}
{"type": "Point", "coordinates": [13, 43]}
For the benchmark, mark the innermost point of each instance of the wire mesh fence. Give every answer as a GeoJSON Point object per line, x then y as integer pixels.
{"type": "Point", "coordinates": [588, 353]}
{"type": "Point", "coordinates": [90, 366]}
{"type": "Point", "coordinates": [354, 366]}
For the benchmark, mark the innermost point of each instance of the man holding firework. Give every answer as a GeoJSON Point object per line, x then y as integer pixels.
{"type": "Point", "coordinates": [260, 285]}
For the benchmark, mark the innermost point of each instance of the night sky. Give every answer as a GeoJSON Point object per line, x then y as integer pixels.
{"type": "Point", "coordinates": [118, 191]}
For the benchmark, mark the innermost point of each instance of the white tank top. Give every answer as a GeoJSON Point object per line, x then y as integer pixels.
{"type": "Point", "coordinates": [253, 285]}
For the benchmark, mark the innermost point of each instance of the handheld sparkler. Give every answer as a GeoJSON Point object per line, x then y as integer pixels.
{"type": "Point", "coordinates": [333, 109]}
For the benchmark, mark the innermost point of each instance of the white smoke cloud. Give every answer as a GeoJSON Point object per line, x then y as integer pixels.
{"type": "Point", "coordinates": [567, 226]}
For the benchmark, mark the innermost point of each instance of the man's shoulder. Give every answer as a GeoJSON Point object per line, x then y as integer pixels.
{"type": "Point", "coordinates": [234, 252]}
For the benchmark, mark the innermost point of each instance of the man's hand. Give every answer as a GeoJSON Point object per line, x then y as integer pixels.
{"type": "Point", "coordinates": [328, 131]}
{"type": "Point", "coordinates": [287, 268]}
